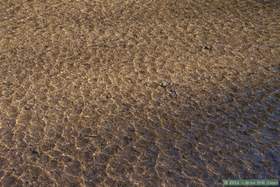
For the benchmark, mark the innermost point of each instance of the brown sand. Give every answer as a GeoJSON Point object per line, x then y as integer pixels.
{"type": "Point", "coordinates": [138, 92]}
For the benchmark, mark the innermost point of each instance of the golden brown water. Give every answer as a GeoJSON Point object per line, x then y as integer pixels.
{"type": "Point", "coordinates": [139, 93]}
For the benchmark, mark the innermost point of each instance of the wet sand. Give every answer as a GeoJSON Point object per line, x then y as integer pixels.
{"type": "Point", "coordinates": [139, 93]}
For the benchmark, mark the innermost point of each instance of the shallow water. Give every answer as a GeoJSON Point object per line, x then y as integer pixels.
{"type": "Point", "coordinates": [139, 93]}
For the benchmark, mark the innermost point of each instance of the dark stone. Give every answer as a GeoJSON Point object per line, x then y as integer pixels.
{"type": "Point", "coordinates": [10, 181]}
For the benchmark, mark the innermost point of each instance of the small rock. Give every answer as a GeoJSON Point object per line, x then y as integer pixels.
{"type": "Point", "coordinates": [10, 180]}
{"type": "Point", "coordinates": [164, 84]}
{"type": "Point", "coordinates": [209, 48]}
{"type": "Point", "coordinates": [275, 69]}
{"type": "Point", "coordinates": [172, 93]}
{"type": "Point", "coordinates": [35, 152]}
{"type": "Point", "coordinates": [87, 66]}
{"type": "Point", "coordinates": [73, 168]}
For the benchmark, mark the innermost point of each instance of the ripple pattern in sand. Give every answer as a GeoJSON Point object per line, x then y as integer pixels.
{"type": "Point", "coordinates": [138, 93]}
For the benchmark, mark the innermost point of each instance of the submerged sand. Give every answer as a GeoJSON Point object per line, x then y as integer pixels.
{"type": "Point", "coordinates": [139, 93]}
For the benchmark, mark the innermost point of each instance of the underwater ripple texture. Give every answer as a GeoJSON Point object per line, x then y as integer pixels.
{"type": "Point", "coordinates": [138, 92]}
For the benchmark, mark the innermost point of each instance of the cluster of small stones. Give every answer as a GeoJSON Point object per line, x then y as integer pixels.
{"type": "Point", "coordinates": [138, 92]}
